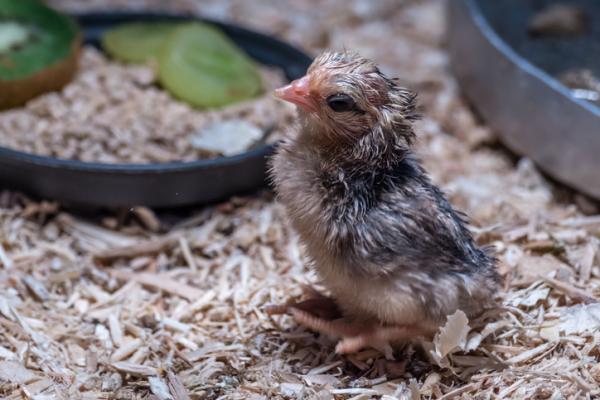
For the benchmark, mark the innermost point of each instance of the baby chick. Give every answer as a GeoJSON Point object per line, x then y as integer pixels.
{"type": "Point", "coordinates": [388, 246]}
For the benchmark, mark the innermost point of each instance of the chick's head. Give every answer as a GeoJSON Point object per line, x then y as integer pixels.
{"type": "Point", "coordinates": [344, 97]}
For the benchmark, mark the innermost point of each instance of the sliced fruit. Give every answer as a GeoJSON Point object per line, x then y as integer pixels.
{"type": "Point", "coordinates": [137, 42]}
{"type": "Point", "coordinates": [202, 66]}
{"type": "Point", "coordinates": [12, 35]}
{"type": "Point", "coordinates": [39, 48]}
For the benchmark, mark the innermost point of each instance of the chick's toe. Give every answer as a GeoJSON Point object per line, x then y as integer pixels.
{"type": "Point", "coordinates": [356, 335]}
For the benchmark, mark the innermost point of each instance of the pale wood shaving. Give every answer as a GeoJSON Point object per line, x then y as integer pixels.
{"type": "Point", "coordinates": [139, 248]}
{"type": "Point", "coordinates": [572, 291]}
{"type": "Point", "coordinates": [134, 369]}
{"type": "Point", "coordinates": [126, 350]}
{"type": "Point", "coordinates": [136, 302]}
{"type": "Point", "coordinates": [160, 281]}
{"type": "Point", "coordinates": [177, 388]}
{"type": "Point", "coordinates": [4, 259]}
{"type": "Point", "coordinates": [13, 371]}
{"type": "Point", "coordinates": [159, 388]}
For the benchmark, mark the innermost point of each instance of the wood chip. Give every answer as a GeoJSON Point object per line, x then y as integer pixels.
{"type": "Point", "coordinates": [580, 319]}
{"type": "Point", "coordinates": [532, 268]}
{"type": "Point", "coordinates": [105, 236]}
{"type": "Point", "coordinates": [324, 368]}
{"type": "Point", "coordinates": [587, 258]}
{"type": "Point", "coordinates": [159, 388]}
{"type": "Point", "coordinates": [4, 259]}
{"type": "Point", "coordinates": [187, 254]}
{"type": "Point", "coordinates": [529, 354]}
{"type": "Point", "coordinates": [160, 281]}
{"type": "Point", "coordinates": [37, 289]}
{"type": "Point", "coordinates": [179, 391]}
{"type": "Point", "coordinates": [6, 354]}
{"type": "Point", "coordinates": [453, 394]}
{"type": "Point", "coordinates": [572, 291]}
{"type": "Point", "coordinates": [134, 369]}
{"type": "Point", "coordinates": [126, 350]}
{"type": "Point", "coordinates": [15, 372]}
{"type": "Point", "coordinates": [453, 335]}
{"type": "Point", "coordinates": [116, 333]}
{"type": "Point", "coordinates": [354, 391]}
{"type": "Point", "coordinates": [139, 248]}
{"type": "Point", "coordinates": [147, 218]}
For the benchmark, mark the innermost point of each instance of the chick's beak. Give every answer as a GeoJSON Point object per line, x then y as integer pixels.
{"type": "Point", "coordinates": [298, 92]}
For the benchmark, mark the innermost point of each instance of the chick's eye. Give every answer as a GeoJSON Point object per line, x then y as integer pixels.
{"type": "Point", "coordinates": [341, 102]}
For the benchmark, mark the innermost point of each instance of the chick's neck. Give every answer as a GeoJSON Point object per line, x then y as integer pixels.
{"type": "Point", "coordinates": [376, 155]}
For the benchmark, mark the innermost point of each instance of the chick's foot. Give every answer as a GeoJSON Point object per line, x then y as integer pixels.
{"type": "Point", "coordinates": [321, 314]}
{"type": "Point", "coordinates": [356, 335]}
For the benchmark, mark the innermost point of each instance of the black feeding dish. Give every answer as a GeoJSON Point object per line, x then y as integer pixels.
{"type": "Point", "coordinates": [155, 185]}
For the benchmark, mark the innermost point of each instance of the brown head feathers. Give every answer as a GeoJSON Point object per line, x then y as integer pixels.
{"type": "Point", "coordinates": [355, 98]}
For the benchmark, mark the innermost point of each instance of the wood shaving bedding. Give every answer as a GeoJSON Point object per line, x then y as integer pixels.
{"type": "Point", "coordinates": [109, 283]}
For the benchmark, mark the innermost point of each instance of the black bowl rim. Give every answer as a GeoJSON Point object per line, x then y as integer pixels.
{"type": "Point", "coordinates": [159, 168]}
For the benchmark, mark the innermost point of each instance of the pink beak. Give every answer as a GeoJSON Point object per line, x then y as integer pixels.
{"type": "Point", "coordinates": [297, 92]}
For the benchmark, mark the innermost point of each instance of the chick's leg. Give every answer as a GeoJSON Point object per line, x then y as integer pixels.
{"type": "Point", "coordinates": [317, 304]}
